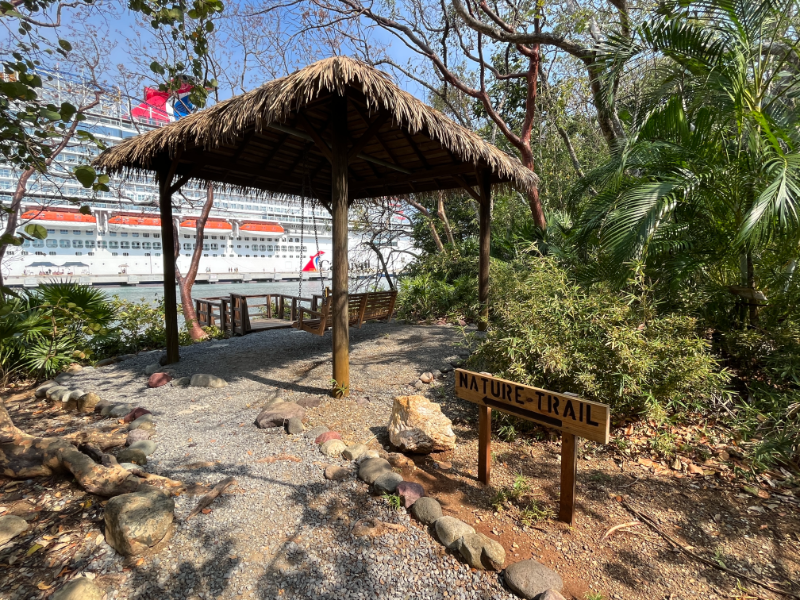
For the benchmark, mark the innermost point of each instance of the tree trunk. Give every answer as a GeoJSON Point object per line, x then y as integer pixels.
{"type": "Point", "coordinates": [185, 284]}
{"type": "Point", "coordinates": [13, 218]}
{"type": "Point", "coordinates": [443, 216]}
{"type": "Point", "coordinates": [23, 456]}
{"type": "Point", "coordinates": [384, 266]}
{"type": "Point", "coordinates": [434, 234]}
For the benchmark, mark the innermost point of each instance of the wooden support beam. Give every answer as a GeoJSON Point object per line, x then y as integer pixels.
{"type": "Point", "coordinates": [485, 242]}
{"type": "Point", "coordinates": [469, 189]}
{"type": "Point", "coordinates": [416, 176]}
{"type": "Point", "coordinates": [179, 184]}
{"type": "Point", "coordinates": [416, 149]}
{"type": "Point", "coordinates": [165, 177]}
{"type": "Point", "coordinates": [569, 475]}
{"type": "Point", "coordinates": [340, 266]}
{"type": "Point", "coordinates": [370, 133]}
{"type": "Point", "coordinates": [484, 444]}
{"type": "Point", "coordinates": [322, 146]}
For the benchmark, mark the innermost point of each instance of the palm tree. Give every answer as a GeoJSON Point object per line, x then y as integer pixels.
{"type": "Point", "coordinates": [710, 173]}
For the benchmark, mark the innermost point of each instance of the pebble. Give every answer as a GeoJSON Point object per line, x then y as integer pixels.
{"type": "Point", "coordinates": [315, 432]}
{"type": "Point", "coordinates": [152, 368]}
{"type": "Point", "coordinates": [10, 527]}
{"type": "Point", "coordinates": [354, 452]}
{"type": "Point", "coordinates": [529, 578]}
{"type": "Point", "coordinates": [410, 492]}
{"type": "Point", "coordinates": [327, 436]}
{"type": "Point", "coordinates": [334, 473]}
{"type": "Point", "coordinates": [372, 468]}
{"type": "Point", "coordinates": [145, 446]}
{"type": "Point", "coordinates": [449, 530]}
{"type": "Point", "coordinates": [426, 510]}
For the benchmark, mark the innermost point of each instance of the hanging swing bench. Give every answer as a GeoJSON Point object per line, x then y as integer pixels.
{"type": "Point", "coordinates": [371, 306]}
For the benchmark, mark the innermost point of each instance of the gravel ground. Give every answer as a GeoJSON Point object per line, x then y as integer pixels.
{"type": "Point", "coordinates": [283, 531]}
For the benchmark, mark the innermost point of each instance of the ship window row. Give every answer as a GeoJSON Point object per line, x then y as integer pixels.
{"type": "Point", "coordinates": [51, 243]}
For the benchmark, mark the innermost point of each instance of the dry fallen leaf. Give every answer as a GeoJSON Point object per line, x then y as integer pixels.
{"type": "Point", "coordinates": [250, 452]}
{"type": "Point", "coordinates": [33, 549]}
{"type": "Point", "coordinates": [694, 469]}
{"type": "Point", "coordinates": [43, 586]}
{"type": "Point", "coordinates": [206, 511]}
{"type": "Point", "coordinates": [277, 457]}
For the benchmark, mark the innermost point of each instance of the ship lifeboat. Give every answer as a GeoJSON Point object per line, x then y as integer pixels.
{"type": "Point", "coordinates": [135, 221]}
{"type": "Point", "coordinates": [261, 227]}
{"type": "Point", "coordinates": [60, 216]}
{"type": "Point", "coordinates": [210, 224]}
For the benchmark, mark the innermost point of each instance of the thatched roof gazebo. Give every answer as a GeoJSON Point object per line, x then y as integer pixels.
{"type": "Point", "coordinates": [338, 130]}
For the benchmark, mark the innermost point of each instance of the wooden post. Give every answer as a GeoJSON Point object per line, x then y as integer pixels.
{"type": "Point", "coordinates": [168, 255]}
{"type": "Point", "coordinates": [569, 472]}
{"type": "Point", "coordinates": [485, 234]}
{"type": "Point", "coordinates": [484, 444]}
{"type": "Point", "coordinates": [340, 267]}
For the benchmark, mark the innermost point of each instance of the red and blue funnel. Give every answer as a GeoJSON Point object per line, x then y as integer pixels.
{"type": "Point", "coordinates": [313, 264]}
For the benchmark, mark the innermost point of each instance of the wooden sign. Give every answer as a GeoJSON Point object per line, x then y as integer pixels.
{"type": "Point", "coordinates": [573, 416]}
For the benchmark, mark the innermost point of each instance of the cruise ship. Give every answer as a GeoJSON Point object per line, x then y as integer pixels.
{"type": "Point", "coordinates": [258, 237]}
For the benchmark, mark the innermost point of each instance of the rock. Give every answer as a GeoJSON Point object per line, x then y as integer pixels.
{"type": "Point", "coordinates": [308, 401]}
{"type": "Point", "coordinates": [79, 588]}
{"type": "Point", "coordinates": [182, 382]}
{"type": "Point", "coordinates": [410, 492]}
{"type": "Point", "coordinates": [119, 410]}
{"type": "Point", "coordinates": [294, 426]}
{"type": "Point", "coordinates": [335, 473]}
{"type": "Point", "coordinates": [63, 378]}
{"type": "Point", "coordinates": [387, 483]}
{"type": "Point", "coordinates": [143, 422]}
{"type": "Point", "coordinates": [147, 447]}
{"type": "Point", "coordinates": [105, 362]}
{"type": "Point", "coordinates": [10, 527]}
{"type": "Point", "coordinates": [138, 521]}
{"type": "Point", "coordinates": [41, 391]}
{"type": "Point", "coordinates": [71, 402]}
{"type": "Point", "coordinates": [418, 384]}
{"type": "Point", "coordinates": [550, 595]}
{"type": "Point", "coordinates": [56, 393]}
{"type": "Point", "coordinates": [138, 435]}
{"type": "Point", "coordinates": [372, 468]}
{"type": "Point", "coordinates": [529, 578]}
{"type": "Point", "coordinates": [158, 379]}
{"type": "Point", "coordinates": [130, 466]}
{"type": "Point", "coordinates": [449, 530]}
{"type": "Point", "coordinates": [314, 433]}
{"type": "Point", "coordinates": [426, 377]}
{"type": "Point", "coordinates": [370, 454]}
{"type": "Point", "coordinates": [327, 435]}
{"type": "Point", "coordinates": [277, 414]}
{"type": "Point", "coordinates": [354, 452]}
{"type": "Point", "coordinates": [455, 361]}
{"type": "Point", "coordinates": [426, 510]}
{"type": "Point", "coordinates": [418, 425]}
{"type": "Point", "coordinates": [135, 414]}
{"type": "Point", "coordinates": [399, 460]}
{"type": "Point", "coordinates": [446, 368]}
{"type": "Point", "coordinates": [333, 448]}
{"type": "Point", "coordinates": [132, 455]}
{"type": "Point", "coordinates": [676, 464]}
{"type": "Point", "coordinates": [437, 374]}
{"type": "Point", "coordinates": [102, 404]}
{"type": "Point", "coordinates": [207, 381]}
{"type": "Point", "coordinates": [482, 552]}
{"type": "Point", "coordinates": [152, 368]}
{"type": "Point", "coordinates": [87, 402]}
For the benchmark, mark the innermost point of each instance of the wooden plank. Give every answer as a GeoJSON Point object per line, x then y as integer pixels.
{"type": "Point", "coordinates": [485, 244]}
{"type": "Point", "coordinates": [340, 264]}
{"type": "Point", "coordinates": [367, 136]}
{"type": "Point", "coordinates": [569, 475]}
{"type": "Point", "coordinates": [587, 419]}
{"type": "Point", "coordinates": [484, 444]}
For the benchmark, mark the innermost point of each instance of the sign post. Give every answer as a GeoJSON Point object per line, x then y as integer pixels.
{"type": "Point", "coordinates": [573, 416]}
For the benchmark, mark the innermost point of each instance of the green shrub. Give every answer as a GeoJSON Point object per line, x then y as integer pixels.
{"type": "Point", "coordinates": [137, 326]}
{"type": "Point", "coordinates": [612, 347]}
{"type": "Point", "coordinates": [45, 329]}
{"type": "Point", "coordinates": [441, 286]}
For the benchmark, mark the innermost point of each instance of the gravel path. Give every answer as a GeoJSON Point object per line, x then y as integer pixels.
{"type": "Point", "coordinates": [284, 531]}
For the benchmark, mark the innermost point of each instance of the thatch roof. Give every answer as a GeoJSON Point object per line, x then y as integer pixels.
{"type": "Point", "coordinates": [264, 140]}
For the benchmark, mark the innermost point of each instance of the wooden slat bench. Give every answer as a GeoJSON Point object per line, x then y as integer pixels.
{"type": "Point", "coordinates": [371, 306]}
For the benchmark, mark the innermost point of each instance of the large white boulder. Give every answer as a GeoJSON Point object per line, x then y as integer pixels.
{"type": "Point", "coordinates": [418, 425]}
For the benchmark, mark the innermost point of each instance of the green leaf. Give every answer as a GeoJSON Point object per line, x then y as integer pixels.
{"type": "Point", "coordinates": [36, 231]}
{"type": "Point", "coordinates": [86, 175]}
{"type": "Point", "coordinates": [155, 67]}
{"type": "Point", "coordinates": [86, 210]}
{"type": "Point", "coordinates": [10, 240]}
{"type": "Point", "coordinates": [65, 45]}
